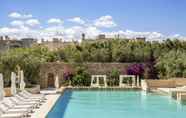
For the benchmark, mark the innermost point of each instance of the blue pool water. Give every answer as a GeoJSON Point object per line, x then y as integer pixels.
{"type": "Point", "coordinates": [115, 104]}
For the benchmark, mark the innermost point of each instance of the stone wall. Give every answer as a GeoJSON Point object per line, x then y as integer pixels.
{"type": "Point", "coordinates": [170, 83]}
{"type": "Point", "coordinates": [106, 68]}
{"type": "Point", "coordinates": [180, 82]}
{"type": "Point", "coordinates": [160, 84]}
{"type": "Point", "coordinates": [92, 68]}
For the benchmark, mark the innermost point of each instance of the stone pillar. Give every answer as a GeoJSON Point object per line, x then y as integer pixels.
{"type": "Point", "coordinates": [92, 79]}
{"type": "Point", "coordinates": [97, 81]}
{"type": "Point", "coordinates": [105, 80]}
{"type": "Point", "coordinates": [144, 85]}
{"type": "Point", "coordinates": [138, 81]}
{"type": "Point", "coordinates": [57, 82]}
{"type": "Point", "coordinates": [121, 78]}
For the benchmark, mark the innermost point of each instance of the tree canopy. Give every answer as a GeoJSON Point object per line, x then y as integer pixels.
{"type": "Point", "coordinates": [163, 59]}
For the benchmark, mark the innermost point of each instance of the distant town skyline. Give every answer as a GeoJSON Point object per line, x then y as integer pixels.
{"type": "Point", "coordinates": [154, 19]}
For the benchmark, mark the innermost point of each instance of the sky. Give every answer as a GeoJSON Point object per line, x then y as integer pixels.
{"type": "Point", "coordinates": [154, 19]}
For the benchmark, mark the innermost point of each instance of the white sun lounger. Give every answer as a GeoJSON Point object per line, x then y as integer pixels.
{"type": "Point", "coordinates": [14, 103]}
{"type": "Point", "coordinates": [11, 115]}
{"type": "Point", "coordinates": [41, 96]}
{"type": "Point", "coordinates": [17, 107]}
{"type": "Point", "coordinates": [28, 101]}
{"type": "Point", "coordinates": [29, 98]}
{"type": "Point", "coordinates": [19, 102]}
{"type": "Point", "coordinates": [15, 115]}
{"type": "Point", "coordinates": [25, 99]}
{"type": "Point", "coordinates": [7, 109]}
{"type": "Point", "coordinates": [22, 94]}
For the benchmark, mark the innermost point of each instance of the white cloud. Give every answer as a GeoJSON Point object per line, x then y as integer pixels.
{"type": "Point", "coordinates": [19, 15]}
{"type": "Point", "coordinates": [55, 21]}
{"type": "Point", "coordinates": [7, 30]}
{"type": "Point", "coordinates": [20, 32]}
{"type": "Point", "coordinates": [52, 32]}
{"type": "Point", "coordinates": [25, 16]}
{"type": "Point", "coordinates": [33, 22]}
{"type": "Point", "coordinates": [176, 36]}
{"type": "Point", "coordinates": [152, 36]}
{"type": "Point", "coordinates": [17, 23]}
{"type": "Point", "coordinates": [14, 15]}
{"type": "Point", "coordinates": [92, 32]}
{"type": "Point", "coordinates": [73, 33]}
{"type": "Point", "coordinates": [54, 29]}
{"type": "Point", "coordinates": [105, 22]}
{"type": "Point", "coordinates": [24, 27]}
{"type": "Point", "coordinates": [77, 20]}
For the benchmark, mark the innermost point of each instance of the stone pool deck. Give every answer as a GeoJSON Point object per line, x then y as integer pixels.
{"type": "Point", "coordinates": [47, 106]}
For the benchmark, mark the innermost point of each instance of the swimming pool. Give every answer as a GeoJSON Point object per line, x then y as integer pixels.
{"type": "Point", "coordinates": [115, 104]}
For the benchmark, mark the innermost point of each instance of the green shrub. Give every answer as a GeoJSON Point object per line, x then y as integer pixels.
{"type": "Point", "coordinates": [81, 78]}
{"type": "Point", "coordinates": [29, 60]}
{"type": "Point", "coordinates": [114, 77]}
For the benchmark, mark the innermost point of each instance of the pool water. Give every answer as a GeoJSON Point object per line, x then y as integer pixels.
{"type": "Point", "coordinates": [115, 104]}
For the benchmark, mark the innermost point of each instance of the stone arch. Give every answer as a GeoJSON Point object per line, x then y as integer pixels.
{"type": "Point", "coordinates": [45, 72]}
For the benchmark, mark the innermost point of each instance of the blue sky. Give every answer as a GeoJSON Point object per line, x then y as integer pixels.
{"type": "Point", "coordinates": [167, 17]}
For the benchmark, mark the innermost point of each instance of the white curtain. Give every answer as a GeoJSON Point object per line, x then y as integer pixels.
{"type": "Point", "coordinates": [57, 82]}
{"type": "Point", "coordinates": [1, 87]}
{"type": "Point", "coordinates": [22, 83]}
{"type": "Point", "coordinates": [13, 83]}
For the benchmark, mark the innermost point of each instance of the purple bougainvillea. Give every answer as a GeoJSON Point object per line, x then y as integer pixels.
{"type": "Point", "coordinates": [135, 69]}
{"type": "Point", "coordinates": [67, 73]}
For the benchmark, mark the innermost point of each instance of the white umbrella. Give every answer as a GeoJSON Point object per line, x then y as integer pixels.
{"type": "Point", "coordinates": [22, 83]}
{"type": "Point", "coordinates": [1, 87]}
{"type": "Point", "coordinates": [57, 82]}
{"type": "Point", "coordinates": [13, 83]}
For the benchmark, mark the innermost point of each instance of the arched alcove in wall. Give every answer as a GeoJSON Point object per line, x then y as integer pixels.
{"type": "Point", "coordinates": [51, 80]}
